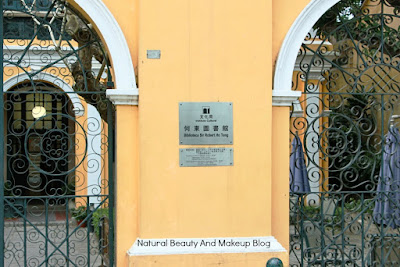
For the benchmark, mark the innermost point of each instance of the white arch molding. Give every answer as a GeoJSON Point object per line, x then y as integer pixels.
{"type": "Point", "coordinates": [117, 47]}
{"type": "Point", "coordinates": [282, 94]}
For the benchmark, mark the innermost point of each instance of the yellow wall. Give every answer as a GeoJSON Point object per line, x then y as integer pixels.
{"type": "Point", "coordinates": [280, 174]}
{"type": "Point", "coordinates": [127, 171]}
{"type": "Point", "coordinates": [210, 51]}
{"type": "Point", "coordinates": [284, 14]}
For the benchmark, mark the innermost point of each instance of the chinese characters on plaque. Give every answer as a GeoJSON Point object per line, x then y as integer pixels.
{"type": "Point", "coordinates": [206, 123]}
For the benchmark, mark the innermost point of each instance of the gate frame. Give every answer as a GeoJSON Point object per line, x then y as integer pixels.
{"type": "Point", "coordinates": [124, 96]}
{"type": "Point", "coordinates": [282, 99]}
{"type": "Point", "coordinates": [125, 93]}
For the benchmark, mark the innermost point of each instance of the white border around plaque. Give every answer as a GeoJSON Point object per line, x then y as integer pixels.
{"type": "Point", "coordinates": [205, 156]}
{"type": "Point", "coordinates": [205, 123]}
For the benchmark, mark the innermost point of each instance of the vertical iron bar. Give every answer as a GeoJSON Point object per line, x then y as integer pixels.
{"type": "Point", "coordinates": [1, 146]}
{"type": "Point", "coordinates": [343, 242]}
{"type": "Point", "coordinates": [110, 183]}
{"type": "Point", "coordinates": [322, 229]}
{"type": "Point", "coordinates": [302, 234]}
{"type": "Point", "coordinates": [25, 234]}
{"type": "Point", "coordinates": [382, 37]}
{"type": "Point", "coordinates": [67, 226]}
{"type": "Point", "coordinates": [382, 178]}
{"type": "Point", "coordinates": [88, 230]}
{"type": "Point", "coordinates": [362, 229]}
{"type": "Point", "coordinates": [47, 230]}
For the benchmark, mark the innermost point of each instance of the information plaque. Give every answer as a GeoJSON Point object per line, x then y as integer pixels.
{"type": "Point", "coordinates": [210, 156]}
{"type": "Point", "coordinates": [205, 123]}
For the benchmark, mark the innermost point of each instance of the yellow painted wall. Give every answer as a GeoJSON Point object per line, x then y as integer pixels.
{"type": "Point", "coordinates": [280, 174]}
{"type": "Point", "coordinates": [210, 51]}
{"type": "Point", "coordinates": [283, 16]}
{"type": "Point", "coordinates": [127, 182]}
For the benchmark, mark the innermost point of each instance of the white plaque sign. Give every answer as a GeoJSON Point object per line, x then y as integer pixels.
{"type": "Point", "coordinates": [205, 123]}
{"type": "Point", "coordinates": [210, 156]}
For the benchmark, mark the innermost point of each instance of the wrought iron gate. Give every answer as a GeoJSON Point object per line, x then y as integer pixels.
{"type": "Point", "coordinates": [345, 160]}
{"type": "Point", "coordinates": [56, 190]}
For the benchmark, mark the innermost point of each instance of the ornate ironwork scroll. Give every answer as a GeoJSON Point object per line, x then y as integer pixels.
{"type": "Point", "coordinates": [348, 71]}
{"type": "Point", "coordinates": [58, 138]}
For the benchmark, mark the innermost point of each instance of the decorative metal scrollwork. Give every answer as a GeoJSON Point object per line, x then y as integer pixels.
{"type": "Point", "coordinates": [58, 136]}
{"type": "Point", "coordinates": [348, 71]}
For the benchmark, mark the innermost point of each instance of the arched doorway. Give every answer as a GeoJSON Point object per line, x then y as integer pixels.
{"type": "Point", "coordinates": [344, 137]}
{"type": "Point", "coordinates": [40, 140]}
{"type": "Point", "coordinates": [58, 138]}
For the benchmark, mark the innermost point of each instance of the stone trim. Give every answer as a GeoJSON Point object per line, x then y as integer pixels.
{"type": "Point", "coordinates": [282, 98]}
{"type": "Point", "coordinates": [127, 97]}
{"type": "Point", "coordinates": [169, 246]}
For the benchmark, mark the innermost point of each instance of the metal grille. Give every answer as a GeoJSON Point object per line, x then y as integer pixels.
{"type": "Point", "coordinates": [57, 181]}
{"type": "Point", "coordinates": [345, 160]}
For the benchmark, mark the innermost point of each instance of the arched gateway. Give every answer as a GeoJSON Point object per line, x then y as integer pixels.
{"type": "Point", "coordinates": [344, 165]}
{"type": "Point", "coordinates": [58, 132]}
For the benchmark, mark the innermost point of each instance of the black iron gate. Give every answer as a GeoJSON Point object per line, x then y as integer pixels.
{"type": "Point", "coordinates": [345, 160]}
{"type": "Point", "coordinates": [56, 165]}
